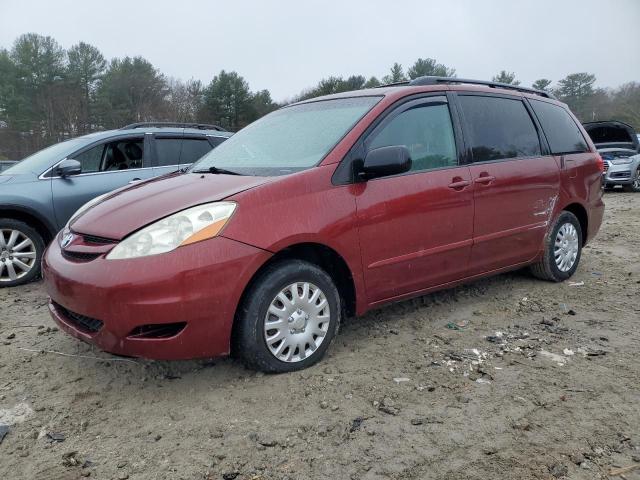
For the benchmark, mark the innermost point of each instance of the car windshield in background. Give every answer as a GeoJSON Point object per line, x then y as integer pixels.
{"type": "Point", "coordinates": [40, 161]}
{"type": "Point", "coordinates": [288, 140]}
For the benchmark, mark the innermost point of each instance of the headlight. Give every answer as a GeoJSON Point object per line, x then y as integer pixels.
{"type": "Point", "coordinates": [84, 208]}
{"type": "Point", "coordinates": [182, 228]}
{"type": "Point", "coordinates": [621, 161]}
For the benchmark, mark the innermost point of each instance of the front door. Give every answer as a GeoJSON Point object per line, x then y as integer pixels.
{"type": "Point", "coordinates": [515, 184]}
{"type": "Point", "coordinates": [416, 228]}
{"type": "Point", "coordinates": [105, 167]}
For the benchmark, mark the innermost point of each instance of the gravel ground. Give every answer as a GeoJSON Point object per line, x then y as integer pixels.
{"type": "Point", "coordinates": [508, 377]}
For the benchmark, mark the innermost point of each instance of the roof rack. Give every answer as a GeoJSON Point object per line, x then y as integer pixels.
{"type": "Point", "coordinates": [438, 80]}
{"type": "Point", "coordinates": [393, 84]}
{"type": "Point", "coordinates": [199, 126]}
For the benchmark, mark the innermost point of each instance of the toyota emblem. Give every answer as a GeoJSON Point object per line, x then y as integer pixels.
{"type": "Point", "coordinates": [66, 240]}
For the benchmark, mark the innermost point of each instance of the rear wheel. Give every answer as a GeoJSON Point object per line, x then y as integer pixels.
{"type": "Point", "coordinates": [21, 250]}
{"type": "Point", "coordinates": [288, 318]}
{"type": "Point", "coordinates": [562, 250]}
{"type": "Point", "coordinates": [634, 186]}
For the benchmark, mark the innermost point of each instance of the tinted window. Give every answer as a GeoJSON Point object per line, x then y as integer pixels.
{"type": "Point", "coordinates": [561, 131]}
{"type": "Point", "coordinates": [168, 151]}
{"type": "Point", "coordinates": [193, 149]}
{"type": "Point", "coordinates": [499, 128]}
{"type": "Point", "coordinates": [426, 131]}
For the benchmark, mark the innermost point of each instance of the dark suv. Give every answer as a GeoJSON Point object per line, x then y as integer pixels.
{"type": "Point", "coordinates": [39, 195]}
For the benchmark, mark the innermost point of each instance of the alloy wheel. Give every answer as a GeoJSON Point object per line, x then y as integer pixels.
{"type": "Point", "coordinates": [17, 255]}
{"type": "Point", "coordinates": [296, 322]}
{"type": "Point", "coordinates": [566, 247]}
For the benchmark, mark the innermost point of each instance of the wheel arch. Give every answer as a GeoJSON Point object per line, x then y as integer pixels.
{"type": "Point", "coordinates": [583, 217]}
{"type": "Point", "coordinates": [318, 254]}
{"type": "Point", "coordinates": [31, 218]}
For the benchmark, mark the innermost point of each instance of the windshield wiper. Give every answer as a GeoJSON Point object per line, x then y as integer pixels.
{"type": "Point", "coordinates": [217, 171]}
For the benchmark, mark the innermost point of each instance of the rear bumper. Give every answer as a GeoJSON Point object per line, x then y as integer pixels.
{"type": "Point", "coordinates": [198, 285]}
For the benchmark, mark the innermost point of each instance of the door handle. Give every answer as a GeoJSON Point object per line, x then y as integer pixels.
{"type": "Point", "coordinates": [459, 184]}
{"type": "Point", "coordinates": [485, 179]}
{"type": "Point", "coordinates": [135, 180]}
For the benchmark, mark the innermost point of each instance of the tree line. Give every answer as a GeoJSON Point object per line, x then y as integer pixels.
{"type": "Point", "coordinates": [48, 94]}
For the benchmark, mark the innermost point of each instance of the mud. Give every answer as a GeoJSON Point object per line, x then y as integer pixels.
{"type": "Point", "coordinates": [508, 377]}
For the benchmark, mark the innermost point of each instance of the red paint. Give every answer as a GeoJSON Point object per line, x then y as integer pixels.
{"type": "Point", "coordinates": [399, 236]}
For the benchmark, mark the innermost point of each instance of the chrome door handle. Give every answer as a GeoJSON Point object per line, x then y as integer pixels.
{"type": "Point", "coordinates": [135, 180]}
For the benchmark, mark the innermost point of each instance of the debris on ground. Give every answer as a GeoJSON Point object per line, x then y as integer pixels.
{"type": "Point", "coordinates": [56, 437]}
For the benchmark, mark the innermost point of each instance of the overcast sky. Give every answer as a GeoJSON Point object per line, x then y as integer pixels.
{"type": "Point", "coordinates": [287, 46]}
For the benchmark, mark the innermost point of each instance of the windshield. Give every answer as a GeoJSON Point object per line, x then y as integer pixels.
{"type": "Point", "coordinates": [40, 161]}
{"type": "Point", "coordinates": [288, 140]}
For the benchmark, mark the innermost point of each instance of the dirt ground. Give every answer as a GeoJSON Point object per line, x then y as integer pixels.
{"type": "Point", "coordinates": [508, 377]}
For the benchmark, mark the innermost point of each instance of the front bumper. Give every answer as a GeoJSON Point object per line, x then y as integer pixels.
{"type": "Point", "coordinates": [618, 174]}
{"type": "Point", "coordinates": [198, 285]}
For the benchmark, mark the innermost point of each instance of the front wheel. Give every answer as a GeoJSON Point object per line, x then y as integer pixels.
{"type": "Point", "coordinates": [562, 250]}
{"type": "Point", "coordinates": [634, 186]}
{"type": "Point", "coordinates": [21, 250]}
{"type": "Point", "coordinates": [288, 318]}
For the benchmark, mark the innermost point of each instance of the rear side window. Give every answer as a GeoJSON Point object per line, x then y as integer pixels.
{"type": "Point", "coordinates": [168, 151]}
{"type": "Point", "coordinates": [426, 131]}
{"type": "Point", "coordinates": [561, 130]}
{"type": "Point", "coordinates": [193, 149]}
{"type": "Point", "coordinates": [499, 128]}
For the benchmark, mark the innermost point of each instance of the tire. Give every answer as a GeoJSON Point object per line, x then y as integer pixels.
{"type": "Point", "coordinates": [548, 267]}
{"type": "Point", "coordinates": [13, 261]}
{"type": "Point", "coordinates": [635, 186]}
{"type": "Point", "coordinates": [258, 346]}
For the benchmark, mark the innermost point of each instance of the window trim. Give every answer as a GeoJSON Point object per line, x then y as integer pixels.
{"type": "Point", "coordinates": [466, 127]}
{"type": "Point", "coordinates": [343, 174]}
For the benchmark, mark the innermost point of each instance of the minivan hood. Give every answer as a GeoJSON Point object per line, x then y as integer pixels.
{"type": "Point", "coordinates": [136, 206]}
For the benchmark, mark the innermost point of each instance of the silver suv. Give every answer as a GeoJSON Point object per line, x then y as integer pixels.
{"type": "Point", "coordinates": [618, 144]}
{"type": "Point", "coordinates": [39, 194]}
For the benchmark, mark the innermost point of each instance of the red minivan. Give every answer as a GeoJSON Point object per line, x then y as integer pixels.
{"type": "Point", "coordinates": [324, 209]}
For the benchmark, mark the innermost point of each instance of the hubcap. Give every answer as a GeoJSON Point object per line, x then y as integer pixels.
{"type": "Point", "coordinates": [566, 247]}
{"type": "Point", "coordinates": [17, 255]}
{"type": "Point", "coordinates": [296, 322]}
{"type": "Point", "coordinates": [636, 180]}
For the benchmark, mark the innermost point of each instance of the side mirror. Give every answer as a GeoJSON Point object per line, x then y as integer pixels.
{"type": "Point", "coordinates": [68, 167]}
{"type": "Point", "coordinates": [385, 161]}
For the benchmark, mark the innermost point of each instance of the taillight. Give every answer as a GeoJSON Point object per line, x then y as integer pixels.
{"type": "Point", "coordinates": [600, 163]}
